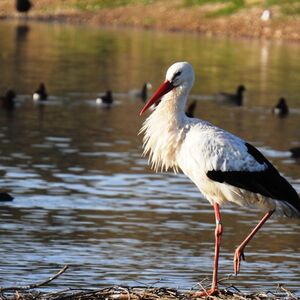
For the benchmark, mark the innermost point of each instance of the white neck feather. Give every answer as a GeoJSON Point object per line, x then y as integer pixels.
{"type": "Point", "coordinates": [165, 130]}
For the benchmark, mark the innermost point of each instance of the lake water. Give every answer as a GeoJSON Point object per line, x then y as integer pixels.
{"type": "Point", "coordinates": [85, 196]}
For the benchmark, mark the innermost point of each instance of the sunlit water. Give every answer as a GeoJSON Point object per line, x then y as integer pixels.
{"type": "Point", "coordinates": [84, 195]}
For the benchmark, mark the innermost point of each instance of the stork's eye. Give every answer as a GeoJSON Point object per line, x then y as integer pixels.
{"type": "Point", "coordinates": [177, 74]}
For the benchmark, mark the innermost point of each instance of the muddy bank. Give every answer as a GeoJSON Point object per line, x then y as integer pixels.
{"type": "Point", "coordinates": [169, 17]}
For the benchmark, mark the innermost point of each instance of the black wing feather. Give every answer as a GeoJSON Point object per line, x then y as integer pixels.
{"type": "Point", "coordinates": [268, 183]}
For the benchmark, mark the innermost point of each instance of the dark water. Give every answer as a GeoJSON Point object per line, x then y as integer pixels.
{"type": "Point", "coordinates": [84, 196]}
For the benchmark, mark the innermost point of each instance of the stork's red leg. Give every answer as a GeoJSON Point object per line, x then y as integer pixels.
{"type": "Point", "coordinates": [218, 234]}
{"type": "Point", "coordinates": [239, 252]}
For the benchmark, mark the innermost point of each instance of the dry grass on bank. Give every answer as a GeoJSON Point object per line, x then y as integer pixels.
{"type": "Point", "coordinates": [31, 292]}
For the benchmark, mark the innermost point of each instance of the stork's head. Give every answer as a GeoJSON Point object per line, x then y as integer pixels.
{"type": "Point", "coordinates": [179, 76]}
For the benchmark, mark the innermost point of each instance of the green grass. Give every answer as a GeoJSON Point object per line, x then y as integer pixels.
{"type": "Point", "coordinates": [202, 2]}
{"type": "Point", "coordinates": [222, 7]}
{"type": "Point", "coordinates": [287, 7]}
{"type": "Point", "coordinates": [230, 6]}
{"type": "Point", "coordinates": [230, 9]}
{"type": "Point", "coordinates": [280, 2]}
{"type": "Point", "coordinates": [291, 10]}
{"type": "Point", "coordinates": [91, 5]}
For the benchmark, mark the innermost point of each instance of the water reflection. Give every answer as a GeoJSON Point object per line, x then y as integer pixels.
{"type": "Point", "coordinates": [86, 197]}
{"type": "Point", "coordinates": [22, 31]}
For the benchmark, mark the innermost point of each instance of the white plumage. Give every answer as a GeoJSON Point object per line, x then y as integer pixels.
{"type": "Point", "coordinates": [223, 166]}
{"type": "Point", "coordinates": [173, 140]}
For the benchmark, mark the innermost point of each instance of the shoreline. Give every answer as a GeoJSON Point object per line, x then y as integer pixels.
{"type": "Point", "coordinates": [245, 24]}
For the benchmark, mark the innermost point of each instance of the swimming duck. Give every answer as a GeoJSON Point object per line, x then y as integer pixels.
{"type": "Point", "coordinates": [191, 109]}
{"type": "Point", "coordinates": [236, 99]}
{"type": "Point", "coordinates": [7, 100]}
{"type": "Point", "coordinates": [281, 109]}
{"type": "Point", "coordinates": [106, 100]}
{"type": "Point", "coordinates": [295, 152]}
{"type": "Point", "coordinates": [40, 94]}
{"type": "Point", "coordinates": [145, 91]}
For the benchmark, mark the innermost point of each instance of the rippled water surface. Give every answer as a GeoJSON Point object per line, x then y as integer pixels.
{"type": "Point", "coordinates": [84, 195]}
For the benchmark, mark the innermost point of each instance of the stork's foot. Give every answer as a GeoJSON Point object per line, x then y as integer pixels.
{"type": "Point", "coordinates": [211, 292]}
{"type": "Point", "coordinates": [238, 257]}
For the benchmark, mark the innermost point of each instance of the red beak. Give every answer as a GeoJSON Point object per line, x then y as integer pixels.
{"type": "Point", "coordinates": [164, 88]}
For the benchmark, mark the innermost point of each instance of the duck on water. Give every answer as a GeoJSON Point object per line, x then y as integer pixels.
{"type": "Point", "coordinates": [8, 102]}
{"type": "Point", "coordinates": [40, 94]}
{"type": "Point", "coordinates": [237, 99]}
{"type": "Point", "coordinates": [106, 100]}
{"type": "Point", "coordinates": [281, 109]}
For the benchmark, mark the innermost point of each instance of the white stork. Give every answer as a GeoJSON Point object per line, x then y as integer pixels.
{"type": "Point", "coordinates": [224, 167]}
